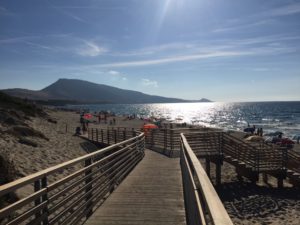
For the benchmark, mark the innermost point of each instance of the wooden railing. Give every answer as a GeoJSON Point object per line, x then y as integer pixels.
{"type": "Point", "coordinates": [293, 160]}
{"type": "Point", "coordinates": [205, 144]}
{"type": "Point", "coordinates": [167, 139]}
{"type": "Point", "coordinates": [69, 192]}
{"type": "Point", "coordinates": [259, 157]}
{"type": "Point", "coordinates": [202, 203]}
{"type": "Point", "coordinates": [110, 136]}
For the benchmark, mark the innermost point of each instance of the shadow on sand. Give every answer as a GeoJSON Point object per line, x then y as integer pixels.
{"type": "Point", "coordinates": [245, 200]}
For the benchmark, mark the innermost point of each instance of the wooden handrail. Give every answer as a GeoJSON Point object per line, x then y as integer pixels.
{"type": "Point", "coordinates": [76, 192]}
{"type": "Point", "coordinates": [12, 186]}
{"type": "Point", "coordinates": [211, 202]}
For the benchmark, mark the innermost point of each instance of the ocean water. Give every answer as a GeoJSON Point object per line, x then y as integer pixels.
{"type": "Point", "coordinates": [271, 116]}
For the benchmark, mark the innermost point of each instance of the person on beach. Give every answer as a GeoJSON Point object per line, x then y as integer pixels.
{"type": "Point", "coordinates": [105, 117]}
{"type": "Point", "coordinates": [99, 117]}
{"type": "Point", "coordinates": [253, 130]}
{"type": "Point", "coordinates": [81, 121]}
{"type": "Point", "coordinates": [78, 131]}
{"type": "Point", "coordinates": [84, 128]}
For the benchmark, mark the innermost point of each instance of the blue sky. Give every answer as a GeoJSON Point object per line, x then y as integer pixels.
{"type": "Point", "coordinates": [224, 50]}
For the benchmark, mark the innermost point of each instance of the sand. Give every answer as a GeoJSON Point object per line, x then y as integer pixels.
{"type": "Point", "coordinates": [246, 203]}
{"type": "Point", "coordinates": [260, 203]}
{"type": "Point", "coordinates": [62, 146]}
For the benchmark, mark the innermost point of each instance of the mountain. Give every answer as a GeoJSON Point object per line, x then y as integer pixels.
{"type": "Point", "coordinates": [79, 91]}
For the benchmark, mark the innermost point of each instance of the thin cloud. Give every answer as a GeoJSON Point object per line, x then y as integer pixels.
{"type": "Point", "coordinates": [14, 40]}
{"type": "Point", "coordinates": [261, 69]}
{"type": "Point", "coordinates": [157, 49]}
{"type": "Point", "coordinates": [266, 39]}
{"type": "Point", "coordinates": [66, 13]}
{"type": "Point", "coordinates": [92, 8]}
{"type": "Point", "coordinates": [152, 83]}
{"type": "Point", "coordinates": [116, 76]}
{"type": "Point", "coordinates": [91, 49]}
{"type": "Point", "coordinates": [244, 26]}
{"type": "Point", "coordinates": [174, 59]}
{"type": "Point", "coordinates": [113, 72]}
{"type": "Point", "coordinates": [285, 10]}
{"type": "Point", "coordinates": [38, 45]}
{"type": "Point", "coordinates": [71, 15]}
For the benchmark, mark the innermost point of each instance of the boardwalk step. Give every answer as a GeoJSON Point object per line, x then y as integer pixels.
{"type": "Point", "coordinates": [296, 175]}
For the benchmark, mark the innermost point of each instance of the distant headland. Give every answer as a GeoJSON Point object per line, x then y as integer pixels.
{"type": "Point", "coordinates": [73, 91]}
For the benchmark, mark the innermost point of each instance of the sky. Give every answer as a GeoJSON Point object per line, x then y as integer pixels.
{"type": "Point", "coordinates": [223, 50]}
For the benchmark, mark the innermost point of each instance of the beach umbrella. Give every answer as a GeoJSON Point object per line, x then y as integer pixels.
{"type": "Point", "coordinates": [150, 126]}
{"type": "Point", "coordinates": [273, 134]}
{"type": "Point", "coordinates": [287, 141]}
{"type": "Point", "coordinates": [87, 116]}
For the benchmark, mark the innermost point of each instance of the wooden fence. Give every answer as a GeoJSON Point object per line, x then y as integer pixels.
{"type": "Point", "coordinates": [167, 140]}
{"type": "Point", "coordinates": [260, 157]}
{"type": "Point", "coordinates": [202, 203]}
{"type": "Point", "coordinates": [69, 192]}
{"type": "Point", "coordinates": [110, 136]}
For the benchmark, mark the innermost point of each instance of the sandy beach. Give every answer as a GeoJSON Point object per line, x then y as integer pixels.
{"type": "Point", "coordinates": [246, 203]}
{"type": "Point", "coordinates": [260, 203]}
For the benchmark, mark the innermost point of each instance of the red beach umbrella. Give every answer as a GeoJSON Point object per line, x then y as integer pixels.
{"type": "Point", "coordinates": [150, 126]}
{"type": "Point", "coordinates": [87, 116]}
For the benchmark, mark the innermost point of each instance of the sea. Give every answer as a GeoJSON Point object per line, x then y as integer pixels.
{"type": "Point", "coordinates": [271, 116]}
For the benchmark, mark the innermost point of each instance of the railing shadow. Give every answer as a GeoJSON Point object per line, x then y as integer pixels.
{"type": "Point", "coordinates": [246, 200]}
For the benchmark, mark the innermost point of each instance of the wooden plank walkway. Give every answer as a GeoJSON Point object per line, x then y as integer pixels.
{"type": "Point", "coordinates": [151, 194]}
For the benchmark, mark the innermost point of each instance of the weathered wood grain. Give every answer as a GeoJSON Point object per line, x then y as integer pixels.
{"type": "Point", "coordinates": [151, 194]}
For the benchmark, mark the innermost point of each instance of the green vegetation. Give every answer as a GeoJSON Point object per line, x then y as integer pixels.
{"type": "Point", "coordinates": [17, 104]}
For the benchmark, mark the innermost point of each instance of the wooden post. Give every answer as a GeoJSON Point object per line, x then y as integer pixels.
{"type": "Point", "coordinates": [88, 183]}
{"type": "Point", "coordinates": [133, 132]}
{"type": "Point", "coordinates": [165, 139]}
{"type": "Point", "coordinates": [152, 138]}
{"type": "Point", "coordinates": [108, 134]}
{"type": "Point", "coordinates": [102, 136]}
{"type": "Point", "coordinates": [218, 172]}
{"type": "Point", "coordinates": [172, 139]}
{"type": "Point", "coordinates": [66, 128]}
{"type": "Point", "coordinates": [207, 166]}
{"type": "Point", "coordinates": [124, 134]}
{"type": "Point", "coordinates": [44, 199]}
{"type": "Point", "coordinates": [115, 134]}
{"type": "Point", "coordinates": [38, 185]}
{"type": "Point", "coordinates": [38, 201]}
{"type": "Point", "coordinates": [97, 135]}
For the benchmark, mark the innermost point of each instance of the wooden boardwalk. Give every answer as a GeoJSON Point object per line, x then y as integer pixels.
{"type": "Point", "coordinates": [151, 194]}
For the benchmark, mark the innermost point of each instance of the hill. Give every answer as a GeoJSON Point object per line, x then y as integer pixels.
{"type": "Point", "coordinates": [79, 91]}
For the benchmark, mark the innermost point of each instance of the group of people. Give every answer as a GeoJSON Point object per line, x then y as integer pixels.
{"type": "Point", "coordinates": [85, 120]}
{"type": "Point", "coordinates": [259, 132]}
{"type": "Point", "coordinates": [104, 115]}
{"type": "Point", "coordinates": [254, 131]}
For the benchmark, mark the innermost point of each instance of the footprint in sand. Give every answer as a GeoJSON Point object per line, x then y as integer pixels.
{"type": "Point", "coordinates": [254, 206]}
